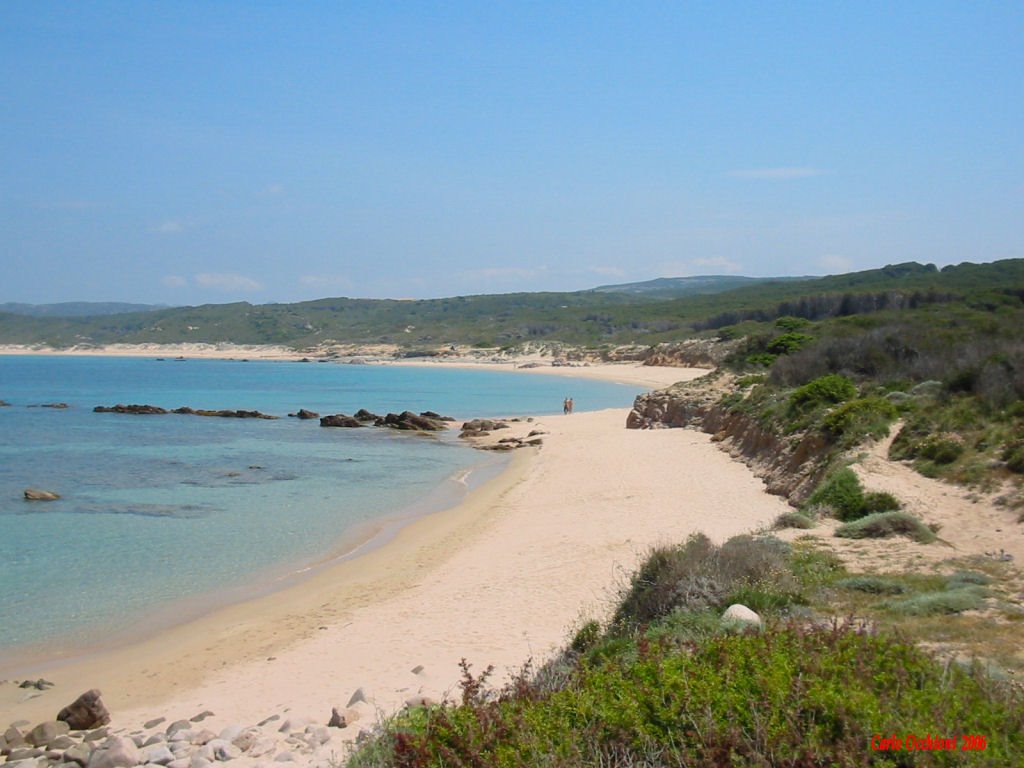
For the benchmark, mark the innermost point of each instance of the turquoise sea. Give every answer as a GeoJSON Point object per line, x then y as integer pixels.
{"type": "Point", "coordinates": [164, 516]}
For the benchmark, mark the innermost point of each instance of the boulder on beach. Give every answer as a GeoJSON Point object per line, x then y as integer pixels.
{"type": "Point", "coordinates": [86, 712]}
{"type": "Point", "coordinates": [38, 494]}
{"type": "Point", "coordinates": [45, 733]}
{"type": "Point", "coordinates": [738, 614]}
{"type": "Point", "coordinates": [340, 420]}
{"type": "Point", "coordinates": [115, 752]}
{"type": "Point", "coordinates": [473, 427]}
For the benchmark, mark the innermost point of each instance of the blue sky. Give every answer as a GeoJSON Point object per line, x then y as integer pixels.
{"type": "Point", "coordinates": [197, 152]}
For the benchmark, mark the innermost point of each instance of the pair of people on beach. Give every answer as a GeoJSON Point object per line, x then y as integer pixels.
{"type": "Point", "coordinates": [567, 406]}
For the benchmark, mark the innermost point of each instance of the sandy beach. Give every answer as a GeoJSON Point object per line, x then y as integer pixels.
{"type": "Point", "coordinates": [499, 579]}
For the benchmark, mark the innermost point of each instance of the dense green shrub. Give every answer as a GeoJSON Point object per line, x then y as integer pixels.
{"type": "Point", "coordinates": [881, 525]}
{"type": "Point", "coordinates": [940, 449]}
{"type": "Point", "coordinates": [698, 574]}
{"type": "Point", "coordinates": [826, 390]}
{"type": "Point", "coordinates": [880, 501]}
{"type": "Point", "coordinates": [1013, 455]}
{"type": "Point", "coordinates": [762, 359]}
{"type": "Point", "coordinates": [842, 493]}
{"type": "Point", "coordinates": [791, 324]}
{"type": "Point", "coordinates": [864, 417]}
{"type": "Point", "coordinates": [788, 343]}
{"type": "Point", "coordinates": [788, 697]}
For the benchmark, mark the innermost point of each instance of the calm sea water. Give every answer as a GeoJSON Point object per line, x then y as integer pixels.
{"type": "Point", "coordinates": [162, 512]}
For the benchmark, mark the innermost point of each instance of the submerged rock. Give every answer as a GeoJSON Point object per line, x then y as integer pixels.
{"type": "Point", "coordinates": [223, 414]}
{"type": "Point", "coordinates": [134, 409]}
{"type": "Point", "coordinates": [303, 414]}
{"type": "Point", "coordinates": [340, 420]}
{"type": "Point", "coordinates": [38, 494]}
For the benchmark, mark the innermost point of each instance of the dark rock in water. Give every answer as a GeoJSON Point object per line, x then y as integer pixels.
{"type": "Point", "coordinates": [37, 494]}
{"type": "Point", "coordinates": [340, 420]}
{"type": "Point", "coordinates": [58, 406]}
{"type": "Point", "coordinates": [302, 413]}
{"type": "Point", "coordinates": [224, 414]}
{"type": "Point", "coordinates": [86, 712]}
{"type": "Point", "coordinates": [137, 409]}
{"type": "Point", "coordinates": [436, 416]}
{"type": "Point", "coordinates": [4, 404]}
{"type": "Point", "coordinates": [407, 420]}
{"type": "Point", "coordinates": [364, 415]}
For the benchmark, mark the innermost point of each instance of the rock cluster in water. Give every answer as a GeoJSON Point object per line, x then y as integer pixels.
{"type": "Point", "coordinates": [157, 410]}
{"type": "Point", "coordinates": [427, 421]}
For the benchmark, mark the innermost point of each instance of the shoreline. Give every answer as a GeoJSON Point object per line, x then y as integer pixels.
{"type": "Point", "coordinates": [428, 596]}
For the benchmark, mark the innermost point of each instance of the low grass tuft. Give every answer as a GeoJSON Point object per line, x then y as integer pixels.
{"type": "Point", "coordinates": [793, 520]}
{"type": "Point", "coordinates": [872, 585]}
{"type": "Point", "coordinates": [881, 525]}
{"type": "Point", "coordinates": [948, 601]}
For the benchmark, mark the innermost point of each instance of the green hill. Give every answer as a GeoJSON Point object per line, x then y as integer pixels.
{"type": "Point", "coordinates": [593, 317]}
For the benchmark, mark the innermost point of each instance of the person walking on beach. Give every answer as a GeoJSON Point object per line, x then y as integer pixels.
{"type": "Point", "coordinates": [570, 405]}
{"type": "Point", "coordinates": [565, 406]}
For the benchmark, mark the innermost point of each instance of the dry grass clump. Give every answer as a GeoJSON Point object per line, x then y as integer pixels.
{"type": "Point", "coordinates": [881, 525]}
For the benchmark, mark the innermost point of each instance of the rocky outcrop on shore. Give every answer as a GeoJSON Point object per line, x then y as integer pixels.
{"type": "Point", "coordinates": [157, 410]}
{"type": "Point", "coordinates": [790, 466]}
{"type": "Point", "coordinates": [81, 736]}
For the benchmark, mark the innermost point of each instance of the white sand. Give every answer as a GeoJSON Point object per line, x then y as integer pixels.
{"type": "Point", "coordinates": [501, 578]}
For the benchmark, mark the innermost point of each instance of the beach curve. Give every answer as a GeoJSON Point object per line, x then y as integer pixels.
{"type": "Point", "coordinates": [498, 579]}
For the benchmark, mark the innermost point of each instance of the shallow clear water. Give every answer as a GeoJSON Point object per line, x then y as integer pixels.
{"type": "Point", "coordinates": [157, 509]}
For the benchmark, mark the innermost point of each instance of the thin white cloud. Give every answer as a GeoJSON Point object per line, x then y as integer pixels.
{"type": "Point", "coordinates": [174, 281]}
{"type": "Point", "coordinates": [776, 174]}
{"type": "Point", "coordinates": [502, 273]}
{"type": "Point", "coordinates": [836, 263]}
{"type": "Point", "coordinates": [715, 264]}
{"type": "Point", "coordinates": [325, 281]}
{"type": "Point", "coordinates": [608, 271]}
{"type": "Point", "coordinates": [272, 190]}
{"type": "Point", "coordinates": [226, 281]}
{"type": "Point", "coordinates": [169, 227]}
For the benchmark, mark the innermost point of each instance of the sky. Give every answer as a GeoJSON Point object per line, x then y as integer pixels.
{"type": "Point", "coordinates": [206, 152]}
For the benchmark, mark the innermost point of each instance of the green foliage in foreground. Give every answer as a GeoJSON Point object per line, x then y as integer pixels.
{"type": "Point", "coordinates": [668, 685]}
{"type": "Point", "coordinates": [790, 696]}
